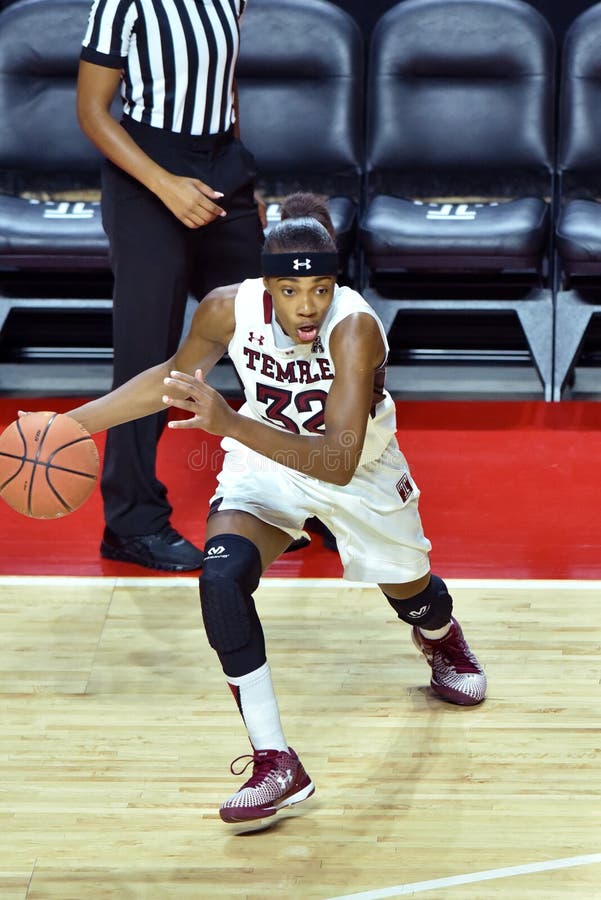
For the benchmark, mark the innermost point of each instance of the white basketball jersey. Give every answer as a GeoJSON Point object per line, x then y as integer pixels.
{"type": "Point", "coordinates": [286, 384]}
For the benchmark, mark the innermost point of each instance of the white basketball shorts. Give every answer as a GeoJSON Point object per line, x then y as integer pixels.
{"type": "Point", "coordinates": [375, 517]}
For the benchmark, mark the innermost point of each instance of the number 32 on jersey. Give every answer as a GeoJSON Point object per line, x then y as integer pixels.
{"type": "Point", "coordinates": [294, 411]}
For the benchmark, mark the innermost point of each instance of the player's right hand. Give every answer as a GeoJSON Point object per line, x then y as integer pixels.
{"type": "Point", "coordinates": [210, 411]}
{"type": "Point", "coordinates": [190, 200]}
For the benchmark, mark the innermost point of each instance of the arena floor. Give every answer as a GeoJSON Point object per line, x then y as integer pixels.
{"type": "Point", "coordinates": [118, 730]}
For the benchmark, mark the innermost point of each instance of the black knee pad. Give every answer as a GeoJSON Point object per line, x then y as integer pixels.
{"type": "Point", "coordinates": [430, 609]}
{"type": "Point", "coordinates": [231, 571]}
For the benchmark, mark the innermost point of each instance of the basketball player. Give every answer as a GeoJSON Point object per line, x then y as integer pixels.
{"type": "Point", "coordinates": [315, 437]}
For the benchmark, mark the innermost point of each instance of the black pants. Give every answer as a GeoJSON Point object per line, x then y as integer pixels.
{"type": "Point", "coordinates": [157, 263]}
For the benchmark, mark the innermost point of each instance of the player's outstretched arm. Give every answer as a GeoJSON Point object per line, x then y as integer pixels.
{"type": "Point", "coordinates": [205, 344]}
{"type": "Point", "coordinates": [357, 350]}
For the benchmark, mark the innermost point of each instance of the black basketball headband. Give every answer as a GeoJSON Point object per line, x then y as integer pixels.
{"type": "Point", "coordinates": [293, 265]}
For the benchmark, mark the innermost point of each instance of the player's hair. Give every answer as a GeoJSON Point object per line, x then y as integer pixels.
{"type": "Point", "coordinates": [302, 228]}
{"type": "Point", "coordinates": [308, 206]}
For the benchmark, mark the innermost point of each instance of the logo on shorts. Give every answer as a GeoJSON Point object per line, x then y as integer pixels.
{"type": "Point", "coordinates": [405, 488]}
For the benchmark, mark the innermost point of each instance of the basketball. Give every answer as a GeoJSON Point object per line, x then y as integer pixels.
{"type": "Point", "coordinates": [48, 465]}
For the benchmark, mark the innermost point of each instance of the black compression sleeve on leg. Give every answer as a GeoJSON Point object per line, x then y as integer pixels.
{"type": "Point", "coordinates": [231, 572]}
{"type": "Point", "coordinates": [430, 609]}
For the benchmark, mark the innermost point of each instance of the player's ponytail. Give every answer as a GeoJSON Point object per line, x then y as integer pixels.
{"type": "Point", "coordinates": [306, 226]}
{"type": "Point", "coordinates": [308, 206]}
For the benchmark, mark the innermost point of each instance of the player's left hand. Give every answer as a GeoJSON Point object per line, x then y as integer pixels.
{"type": "Point", "coordinates": [209, 410]}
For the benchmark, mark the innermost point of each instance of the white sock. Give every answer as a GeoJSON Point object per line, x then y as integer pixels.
{"type": "Point", "coordinates": [437, 634]}
{"type": "Point", "coordinates": [259, 707]}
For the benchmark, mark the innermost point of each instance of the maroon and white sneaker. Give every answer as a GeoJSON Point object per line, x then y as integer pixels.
{"type": "Point", "coordinates": [278, 780]}
{"type": "Point", "coordinates": [457, 676]}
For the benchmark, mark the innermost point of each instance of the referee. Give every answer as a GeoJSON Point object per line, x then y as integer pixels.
{"type": "Point", "coordinates": [179, 211]}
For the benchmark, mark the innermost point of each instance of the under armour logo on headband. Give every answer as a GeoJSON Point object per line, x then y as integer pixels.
{"type": "Point", "coordinates": [282, 265]}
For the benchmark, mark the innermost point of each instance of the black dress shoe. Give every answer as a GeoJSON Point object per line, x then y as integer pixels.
{"type": "Point", "coordinates": [317, 527]}
{"type": "Point", "coordinates": [329, 541]}
{"type": "Point", "coordinates": [299, 544]}
{"type": "Point", "coordinates": [166, 550]}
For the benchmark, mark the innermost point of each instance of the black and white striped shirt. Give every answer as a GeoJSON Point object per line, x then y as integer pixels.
{"type": "Point", "coordinates": [177, 57]}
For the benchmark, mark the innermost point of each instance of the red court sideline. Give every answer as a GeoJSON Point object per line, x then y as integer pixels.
{"type": "Point", "coordinates": [509, 490]}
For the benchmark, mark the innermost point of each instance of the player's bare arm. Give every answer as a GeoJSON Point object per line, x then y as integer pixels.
{"type": "Point", "coordinates": [190, 199]}
{"type": "Point", "coordinates": [357, 350]}
{"type": "Point", "coordinates": [210, 333]}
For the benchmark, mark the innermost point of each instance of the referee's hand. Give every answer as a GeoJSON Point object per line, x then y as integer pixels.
{"type": "Point", "coordinates": [190, 200]}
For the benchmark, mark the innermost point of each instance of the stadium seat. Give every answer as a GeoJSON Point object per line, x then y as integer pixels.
{"type": "Point", "coordinates": [299, 64]}
{"type": "Point", "coordinates": [459, 164]}
{"type": "Point", "coordinates": [578, 231]}
{"type": "Point", "coordinates": [301, 91]}
{"type": "Point", "coordinates": [49, 171]}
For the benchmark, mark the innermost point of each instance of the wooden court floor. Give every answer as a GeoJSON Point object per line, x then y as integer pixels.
{"type": "Point", "coordinates": [117, 732]}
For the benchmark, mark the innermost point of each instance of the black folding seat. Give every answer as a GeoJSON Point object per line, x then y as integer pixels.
{"type": "Point", "coordinates": [578, 230]}
{"type": "Point", "coordinates": [460, 142]}
{"type": "Point", "coordinates": [301, 95]}
{"type": "Point", "coordinates": [49, 171]}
